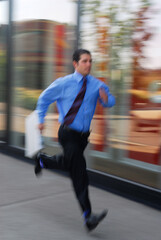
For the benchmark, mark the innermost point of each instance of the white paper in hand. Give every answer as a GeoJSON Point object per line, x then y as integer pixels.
{"type": "Point", "coordinates": [33, 138]}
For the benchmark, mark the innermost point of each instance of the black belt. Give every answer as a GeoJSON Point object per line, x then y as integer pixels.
{"type": "Point", "coordinates": [81, 134]}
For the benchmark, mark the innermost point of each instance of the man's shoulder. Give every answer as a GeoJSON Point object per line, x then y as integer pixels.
{"type": "Point", "coordinates": [96, 82]}
{"type": "Point", "coordinates": [63, 79]}
{"type": "Point", "coordinates": [93, 79]}
{"type": "Point", "coordinates": [69, 76]}
{"type": "Point", "coordinates": [100, 80]}
{"type": "Point", "coordinates": [66, 78]}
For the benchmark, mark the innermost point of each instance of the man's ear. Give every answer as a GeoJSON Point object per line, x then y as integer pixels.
{"type": "Point", "coordinates": [75, 64]}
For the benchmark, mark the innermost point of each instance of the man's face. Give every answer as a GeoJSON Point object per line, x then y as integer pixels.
{"type": "Point", "coordinates": [83, 66]}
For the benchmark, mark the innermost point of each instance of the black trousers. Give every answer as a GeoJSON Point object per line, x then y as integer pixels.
{"type": "Point", "coordinates": [73, 161]}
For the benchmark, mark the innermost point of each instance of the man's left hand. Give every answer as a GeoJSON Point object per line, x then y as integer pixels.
{"type": "Point", "coordinates": [103, 95]}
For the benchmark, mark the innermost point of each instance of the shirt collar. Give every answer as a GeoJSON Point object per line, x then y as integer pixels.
{"type": "Point", "coordinates": [79, 76]}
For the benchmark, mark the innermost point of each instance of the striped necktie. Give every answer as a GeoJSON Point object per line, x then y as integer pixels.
{"type": "Point", "coordinates": [69, 117]}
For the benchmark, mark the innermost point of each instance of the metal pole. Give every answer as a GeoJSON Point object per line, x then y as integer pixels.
{"type": "Point", "coordinates": [78, 24]}
{"type": "Point", "coordinates": [9, 71]}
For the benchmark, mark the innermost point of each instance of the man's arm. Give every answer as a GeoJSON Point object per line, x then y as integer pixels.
{"type": "Point", "coordinates": [105, 97]}
{"type": "Point", "coordinates": [48, 96]}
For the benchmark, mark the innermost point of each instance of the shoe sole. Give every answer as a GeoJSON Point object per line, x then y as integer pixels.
{"type": "Point", "coordinates": [104, 214]}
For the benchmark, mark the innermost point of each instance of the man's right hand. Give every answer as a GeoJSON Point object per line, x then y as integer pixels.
{"type": "Point", "coordinates": [41, 127]}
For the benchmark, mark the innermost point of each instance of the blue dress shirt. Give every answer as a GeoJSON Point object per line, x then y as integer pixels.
{"type": "Point", "coordinates": [64, 90]}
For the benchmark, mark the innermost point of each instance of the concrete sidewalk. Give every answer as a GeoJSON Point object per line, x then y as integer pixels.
{"type": "Point", "coordinates": [46, 209]}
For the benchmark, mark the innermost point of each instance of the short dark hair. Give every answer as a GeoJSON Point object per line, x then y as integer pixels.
{"type": "Point", "coordinates": [78, 53]}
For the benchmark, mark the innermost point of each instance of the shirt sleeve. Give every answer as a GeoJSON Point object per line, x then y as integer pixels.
{"type": "Point", "coordinates": [48, 96]}
{"type": "Point", "coordinates": [111, 99]}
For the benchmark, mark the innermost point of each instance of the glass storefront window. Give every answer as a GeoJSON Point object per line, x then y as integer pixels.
{"type": "Point", "coordinates": [124, 38]}
{"type": "Point", "coordinates": [43, 40]}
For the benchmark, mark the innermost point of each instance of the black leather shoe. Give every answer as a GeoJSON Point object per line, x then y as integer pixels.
{"type": "Point", "coordinates": [94, 219]}
{"type": "Point", "coordinates": [38, 168]}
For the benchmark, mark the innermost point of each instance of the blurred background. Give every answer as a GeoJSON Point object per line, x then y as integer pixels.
{"type": "Point", "coordinates": [37, 40]}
